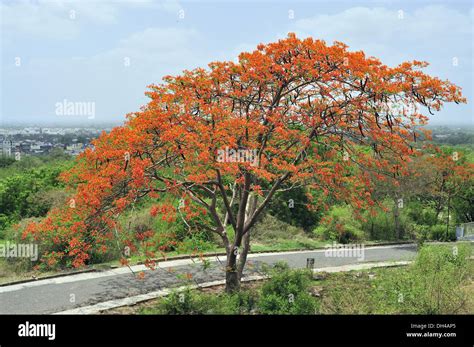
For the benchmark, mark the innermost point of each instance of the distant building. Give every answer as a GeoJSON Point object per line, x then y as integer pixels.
{"type": "Point", "coordinates": [7, 146]}
{"type": "Point", "coordinates": [75, 148]}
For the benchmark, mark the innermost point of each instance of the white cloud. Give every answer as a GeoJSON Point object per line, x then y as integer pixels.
{"type": "Point", "coordinates": [153, 49]}
{"type": "Point", "coordinates": [63, 19]}
{"type": "Point", "coordinates": [37, 20]}
{"type": "Point", "coordinates": [381, 32]}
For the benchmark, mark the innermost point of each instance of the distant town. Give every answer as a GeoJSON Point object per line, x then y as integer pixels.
{"type": "Point", "coordinates": [18, 141]}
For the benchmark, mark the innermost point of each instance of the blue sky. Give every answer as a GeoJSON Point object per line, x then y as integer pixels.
{"type": "Point", "coordinates": [107, 52]}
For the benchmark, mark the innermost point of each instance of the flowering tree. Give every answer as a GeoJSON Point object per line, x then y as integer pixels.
{"type": "Point", "coordinates": [224, 140]}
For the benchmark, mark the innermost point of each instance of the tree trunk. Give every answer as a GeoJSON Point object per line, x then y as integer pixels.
{"type": "Point", "coordinates": [447, 219]}
{"type": "Point", "coordinates": [396, 217]}
{"type": "Point", "coordinates": [243, 255]}
{"type": "Point", "coordinates": [235, 261]}
{"type": "Point", "coordinates": [232, 280]}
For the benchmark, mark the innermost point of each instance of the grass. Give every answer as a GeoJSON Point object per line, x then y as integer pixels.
{"type": "Point", "coordinates": [9, 273]}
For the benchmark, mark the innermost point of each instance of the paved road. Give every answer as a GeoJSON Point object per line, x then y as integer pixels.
{"type": "Point", "coordinates": [64, 293]}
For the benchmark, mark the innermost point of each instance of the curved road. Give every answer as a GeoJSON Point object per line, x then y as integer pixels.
{"type": "Point", "coordinates": [64, 293]}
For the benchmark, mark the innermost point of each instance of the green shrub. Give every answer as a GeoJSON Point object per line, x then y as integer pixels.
{"type": "Point", "coordinates": [184, 302]}
{"type": "Point", "coordinates": [30, 193]}
{"type": "Point", "coordinates": [421, 213]}
{"type": "Point", "coordinates": [438, 233]}
{"type": "Point", "coordinates": [6, 161]}
{"type": "Point", "coordinates": [380, 226]}
{"type": "Point", "coordinates": [287, 292]}
{"type": "Point", "coordinates": [290, 206]}
{"type": "Point", "coordinates": [189, 302]}
{"type": "Point", "coordinates": [342, 226]}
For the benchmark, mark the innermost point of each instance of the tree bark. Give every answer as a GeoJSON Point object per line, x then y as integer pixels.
{"type": "Point", "coordinates": [237, 260]}
{"type": "Point", "coordinates": [396, 217]}
{"type": "Point", "coordinates": [232, 280]}
{"type": "Point", "coordinates": [243, 255]}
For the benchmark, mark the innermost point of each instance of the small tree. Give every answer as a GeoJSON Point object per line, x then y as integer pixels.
{"type": "Point", "coordinates": [224, 140]}
{"type": "Point", "coordinates": [452, 176]}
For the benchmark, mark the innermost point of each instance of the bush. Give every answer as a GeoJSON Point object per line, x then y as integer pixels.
{"type": "Point", "coordinates": [13, 235]}
{"type": "Point", "coordinates": [290, 206]}
{"type": "Point", "coordinates": [185, 302]}
{"type": "Point", "coordinates": [342, 226]}
{"type": "Point", "coordinates": [41, 202]}
{"type": "Point", "coordinates": [30, 193]}
{"type": "Point", "coordinates": [189, 302]}
{"type": "Point", "coordinates": [287, 292]}
{"type": "Point", "coordinates": [421, 213]}
{"type": "Point", "coordinates": [380, 226]}
{"type": "Point", "coordinates": [165, 237]}
{"type": "Point", "coordinates": [6, 161]}
{"type": "Point", "coordinates": [438, 233]}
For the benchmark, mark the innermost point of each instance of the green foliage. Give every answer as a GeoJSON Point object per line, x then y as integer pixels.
{"type": "Point", "coordinates": [12, 233]}
{"type": "Point", "coordinates": [167, 236]}
{"type": "Point", "coordinates": [291, 207]}
{"type": "Point", "coordinates": [287, 292]}
{"type": "Point", "coordinates": [30, 187]}
{"type": "Point", "coordinates": [419, 212]}
{"type": "Point", "coordinates": [440, 232]}
{"type": "Point", "coordinates": [436, 232]}
{"type": "Point", "coordinates": [380, 226]}
{"type": "Point", "coordinates": [342, 226]}
{"type": "Point", "coordinates": [433, 284]}
{"type": "Point", "coordinates": [56, 158]}
{"type": "Point", "coordinates": [29, 194]}
{"type": "Point", "coordinates": [6, 161]}
{"type": "Point", "coordinates": [189, 302]}
{"type": "Point", "coordinates": [463, 204]}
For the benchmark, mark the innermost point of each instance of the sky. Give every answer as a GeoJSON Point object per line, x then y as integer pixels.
{"type": "Point", "coordinates": [90, 62]}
